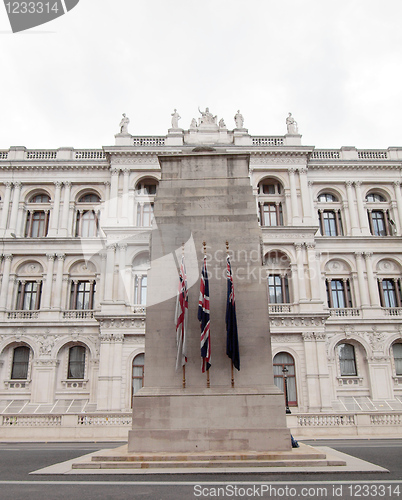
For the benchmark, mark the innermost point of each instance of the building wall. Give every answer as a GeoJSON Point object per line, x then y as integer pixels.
{"type": "Point", "coordinates": [114, 262]}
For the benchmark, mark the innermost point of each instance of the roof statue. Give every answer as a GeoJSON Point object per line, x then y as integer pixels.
{"type": "Point", "coordinates": [239, 120]}
{"type": "Point", "coordinates": [175, 119]}
{"type": "Point", "coordinates": [222, 123]}
{"type": "Point", "coordinates": [124, 124]}
{"type": "Point", "coordinates": [207, 118]}
{"type": "Point", "coordinates": [291, 124]}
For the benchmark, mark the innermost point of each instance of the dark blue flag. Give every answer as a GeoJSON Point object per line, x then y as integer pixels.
{"type": "Point", "coordinates": [232, 340]}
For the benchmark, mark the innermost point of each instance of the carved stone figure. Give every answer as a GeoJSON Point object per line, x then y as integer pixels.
{"type": "Point", "coordinates": [222, 123]}
{"type": "Point", "coordinates": [291, 124]}
{"type": "Point", "coordinates": [193, 123]}
{"type": "Point", "coordinates": [124, 124]}
{"type": "Point", "coordinates": [175, 119]}
{"type": "Point", "coordinates": [239, 120]}
{"type": "Point", "coordinates": [207, 118]}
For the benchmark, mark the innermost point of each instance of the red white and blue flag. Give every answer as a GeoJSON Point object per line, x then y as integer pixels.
{"type": "Point", "coordinates": [181, 317]}
{"type": "Point", "coordinates": [232, 340]}
{"type": "Point", "coordinates": [203, 317]}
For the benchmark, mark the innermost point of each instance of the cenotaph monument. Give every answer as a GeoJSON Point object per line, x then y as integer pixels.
{"type": "Point", "coordinates": [205, 196]}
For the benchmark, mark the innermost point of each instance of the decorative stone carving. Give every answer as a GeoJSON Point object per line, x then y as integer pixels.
{"type": "Point", "coordinates": [46, 344]}
{"type": "Point", "coordinates": [207, 118]}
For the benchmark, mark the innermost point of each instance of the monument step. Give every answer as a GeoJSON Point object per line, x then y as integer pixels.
{"type": "Point", "coordinates": [206, 464]}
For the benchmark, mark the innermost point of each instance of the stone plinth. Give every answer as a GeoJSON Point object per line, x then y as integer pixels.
{"type": "Point", "coordinates": [207, 197]}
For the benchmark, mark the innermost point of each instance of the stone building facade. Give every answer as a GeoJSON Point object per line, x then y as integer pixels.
{"type": "Point", "coordinates": [75, 227]}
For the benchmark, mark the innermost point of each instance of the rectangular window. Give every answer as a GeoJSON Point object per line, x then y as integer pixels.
{"type": "Point", "coordinates": [338, 294]}
{"type": "Point", "coordinates": [347, 360]}
{"type": "Point", "coordinates": [76, 362]}
{"type": "Point", "coordinates": [272, 214]}
{"type": "Point", "coordinates": [29, 295]}
{"type": "Point", "coordinates": [82, 295]}
{"type": "Point", "coordinates": [278, 290]}
{"type": "Point", "coordinates": [20, 363]}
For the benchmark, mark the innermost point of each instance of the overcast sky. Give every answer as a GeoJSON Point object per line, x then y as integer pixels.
{"type": "Point", "coordinates": [336, 65]}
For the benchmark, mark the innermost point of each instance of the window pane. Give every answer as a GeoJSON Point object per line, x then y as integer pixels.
{"type": "Point", "coordinates": [397, 350]}
{"type": "Point", "coordinates": [88, 228]}
{"type": "Point", "coordinates": [388, 287]}
{"type": "Point", "coordinates": [377, 216]}
{"type": "Point", "coordinates": [347, 360]}
{"type": "Point", "coordinates": [76, 362]}
{"type": "Point", "coordinates": [338, 294]}
{"type": "Point", "coordinates": [374, 197]}
{"type": "Point", "coordinates": [38, 225]}
{"type": "Point", "coordinates": [20, 363]}
{"type": "Point", "coordinates": [329, 223]}
{"type": "Point", "coordinates": [281, 360]}
{"type": "Point", "coordinates": [144, 290]}
{"type": "Point", "coordinates": [138, 373]}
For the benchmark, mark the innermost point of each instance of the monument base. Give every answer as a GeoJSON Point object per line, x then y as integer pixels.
{"type": "Point", "coordinates": [209, 420]}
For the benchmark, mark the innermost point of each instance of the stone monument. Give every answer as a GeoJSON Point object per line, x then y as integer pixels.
{"type": "Point", "coordinates": [207, 196]}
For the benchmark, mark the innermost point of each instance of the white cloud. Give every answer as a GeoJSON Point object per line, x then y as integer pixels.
{"type": "Point", "coordinates": [334, 65]}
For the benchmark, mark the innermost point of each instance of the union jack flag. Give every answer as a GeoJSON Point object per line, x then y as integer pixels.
{"type": "Point", "coordinates": [203, 317]}
{"type": "Point", "coordinates": [232, 340]}
{"type": "Point", "coordinates": [181, 317]}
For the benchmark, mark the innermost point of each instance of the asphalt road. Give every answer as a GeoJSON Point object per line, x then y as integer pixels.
{"type": "Point", "coordinates": [17, 460]}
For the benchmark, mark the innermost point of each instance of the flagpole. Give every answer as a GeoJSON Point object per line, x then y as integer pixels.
{"type": "Point", "coordinates": [204, 244]}
{"type": "Point", "coordinates": [184, 366]}
{"type": "Point", "coordinates": [231, 361]}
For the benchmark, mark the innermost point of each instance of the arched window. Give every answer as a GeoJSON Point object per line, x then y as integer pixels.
{"type": "Point", "coordinates": [20, 364]}
{"type": "Point", "coordinates": [327, 197]}
{"type": "Point", "coordinates": [87, 220]}
{"type": "Point", "coordinates": [137, 373]}
{"type": "Point", "coordinates": [397, 352]}
{"type": "Point", "coordinates": [347, 360]}
{"type": "Point", "coordinates": [76, 362]}
{"type": "Point", "coordinates": [379, 219]}
{"type": "Point", "coordinates": [329, 216]}
{"type": "Point", "coordinates": [37, 222]}
{"type": "Point", "coordinates": [270, 198]}
{"type": "Point", "coordinates": [281, 360]}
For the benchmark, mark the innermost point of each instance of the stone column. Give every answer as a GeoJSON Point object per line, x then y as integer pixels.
{"type": "Point", "coordinates": [355, 231]}
{"type": "Point", "coordinates": [300, 272]}
{"type": "Point", "coordinates": [312, 375]}
{"type": "Point", "coordinates": [100, 293]}
{"type": "Point", "coordinates": [5, 281]}
{"type": "Point", "coordinates": [47, 292]}
{"type": "Point", "coordinates": [373, 290]}
{"type": "Point", "coordinates": [6, 206]}
{"type": "Point", "coordinates": [305, 197]}
{"type": "Point", "coordinates": [59, 281]}
{"type": "Point", "coordinates": [56, 209]}
{"type": "Point", "coordinates": [104, 385]}
{"type": "Point", "coordinates": [323, 372]}
{"type": "Point", "coordinates": [295, 283]}
{"type": "Point", "coordinates": [109, 277]}
{"type": "Point", "coordinates": [107, 199]}
{"type": "Point", "coordinates": [398, 196]}
{"type": "Point", "coordinates": [122, 267]}
{"type": "Point", "coordinates": [363, 219]}
{"type": "Point", "coordinates": [293, 197]}
{"type": "Point", "coordinates": [314, 272]}
{"type": "Point", "coordinates": [114, 192]}
{"type": "Point", "coordinates": [360, 278]}
{"type": "Point", "coordinates": [64, 215]}
{"type": "Point", "coordinates": [20, 227]}
{"type": "Point", "coordinates": [15, 205]}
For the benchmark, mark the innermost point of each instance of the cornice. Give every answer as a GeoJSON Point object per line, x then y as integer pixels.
{"type": "Point", "coordinates": [28, 166]}
{"type": "Point", "coordinates": [314, 165]}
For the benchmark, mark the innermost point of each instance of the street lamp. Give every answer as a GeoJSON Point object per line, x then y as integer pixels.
{"type": "Point", "coordinates": [285, 381]}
